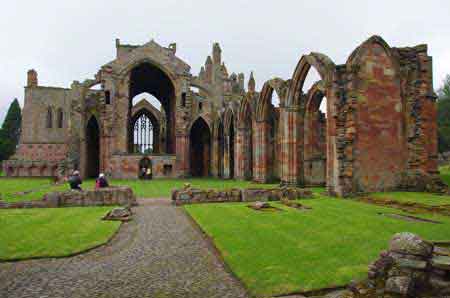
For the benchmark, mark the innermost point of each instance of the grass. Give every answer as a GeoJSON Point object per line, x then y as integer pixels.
{"type": "Point", "coordinates": [413, 197]}
{"type": "Point", "coordinates": [445, 174]}
{"type": "Point", "coordinates": [31, 233]}
{"type": "Point", "coordinates": [280, 252]}
{"type": "Point", "coordinates": [157, 188]}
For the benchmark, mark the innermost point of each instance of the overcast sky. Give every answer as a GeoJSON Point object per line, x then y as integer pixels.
{"type": "Point", "coordinates": [70, 40]}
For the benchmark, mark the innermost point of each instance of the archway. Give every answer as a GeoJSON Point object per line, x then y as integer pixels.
{"type": "Point", "coordinates": [267, 129]}
{"type": "Point", "coordinates": [92, 148]}
{"type": "Point", "coordinates": [145, 169]}
{"type": "Point", "coordinates": [294, 125]}
{"type": "Point", "coordinates": [200, 143]}
{"type": "Point", "coordinates": [231, 147]}
{"type": "Point", "coordinates": [315, 137]}
{"type": "Point", "coordinates": [147, 78]}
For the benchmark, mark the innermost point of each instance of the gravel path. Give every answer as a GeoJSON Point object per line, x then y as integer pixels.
{"type": "Point", "coordinates": [158, 254]}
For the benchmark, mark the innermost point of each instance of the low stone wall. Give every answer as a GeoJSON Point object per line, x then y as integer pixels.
{"type": "Point", "coordinates": [191, 195]}
{"type": "Point", "coordinates": [110, 196]}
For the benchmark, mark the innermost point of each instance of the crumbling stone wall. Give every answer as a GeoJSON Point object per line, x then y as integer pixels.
{"type": "Point", "coordinates": [193, 196]}
{"type": "Point", "coordinates": [109, 196]}
{"type": "Point", "coordinates": [410, 268]}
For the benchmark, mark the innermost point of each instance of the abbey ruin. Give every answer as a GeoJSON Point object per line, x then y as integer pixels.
{"type": "Point", "coordinates": [379, 131]}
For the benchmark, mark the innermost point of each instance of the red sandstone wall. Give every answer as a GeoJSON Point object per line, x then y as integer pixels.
{"type": "Point", "coordinates": [380, 141]}
{"type": "Point", "coordinates": [45, 152]}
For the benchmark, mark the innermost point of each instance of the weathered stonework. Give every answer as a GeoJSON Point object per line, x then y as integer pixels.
{"type": "Point", "coordinates": [193, 196]}
{"type": "Point", "coordinates": [379, 132]}
{"type": "Point", "coordinates": [109, 196]}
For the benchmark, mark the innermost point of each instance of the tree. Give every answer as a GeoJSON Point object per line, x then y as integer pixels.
{"type": "Point", "coordinates": [10, 130]}
{"type": "Point", "coordinates": [443, 117]}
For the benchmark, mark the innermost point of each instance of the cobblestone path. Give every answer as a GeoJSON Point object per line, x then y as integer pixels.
{"type": "Point", "coordinates": [158, 254]}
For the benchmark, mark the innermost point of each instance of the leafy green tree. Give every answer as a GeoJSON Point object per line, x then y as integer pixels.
{"type": "Point", "coordinates": [10, 130]}
{"type": "Point", "coordinates": [443, 118]}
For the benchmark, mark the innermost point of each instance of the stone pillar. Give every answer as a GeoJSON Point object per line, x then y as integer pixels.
{"type": "Point", "coordinates": [291, 145]}
{"type": "Point", "coordinates": [240, 154]}
{"type": "Point", "coordinates": [226, 157]}
{"type": "Point", "coordinates": [261, 170]}
{"type": "Point", "coordinates": [121, 107]}
{"type": "Point", "coordinates": [215, 155]}
{"type": "Point", "coordinates": [182, 155]}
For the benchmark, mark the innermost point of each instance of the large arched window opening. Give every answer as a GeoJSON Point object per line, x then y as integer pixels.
{"type": "Point", "coordinates": [143, 141]}
{"type": "Point", "coordinates": [92, 148]}
{"type": "Point", "coordinates": [147, 78]}
{"type": "Point", "coordinates": [315, 137]}
{"type": "Point", "coordinates": [200, 143]}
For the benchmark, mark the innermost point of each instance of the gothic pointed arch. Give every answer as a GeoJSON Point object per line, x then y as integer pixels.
{"type": "Point", "coordinates": [324, 66]}
{"type": "Point", "coordinates": [200, 147]}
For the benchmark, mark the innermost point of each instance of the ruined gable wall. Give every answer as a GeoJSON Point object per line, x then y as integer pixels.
{"type": "Point", "coordinates": [38, 142]}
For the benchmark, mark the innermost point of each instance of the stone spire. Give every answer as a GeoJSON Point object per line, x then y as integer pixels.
{"type": "Point", "coordinates": [217, 53]}
{"type": "Point", "coordinates": [202, 73]}
{"type": "Point", "coordinates": [251, 83]}
{"type": "Point", "coordinates": [208, 68]}
{"type": "Point", "coordinates": [224, 70]}
{"type": "Point", "coordinates": [241, 80]}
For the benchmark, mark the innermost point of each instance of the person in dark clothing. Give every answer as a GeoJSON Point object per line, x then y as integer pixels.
{"type": "Point", "coordinates": [101, 181]}
{"type": "Point", "coordinates": [75, 181]}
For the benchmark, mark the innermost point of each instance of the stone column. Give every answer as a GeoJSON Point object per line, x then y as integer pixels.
{"type": "Point", "coordinates": [291, 146]}
{"type": "Point", "coordinates": [182, 155]}
{"type": "Point", "coordinates": [240, 157]}
{"type": "Point", "coordinates": [226, 157]}
{"type": "Point", "coordinates": [261, 159]}
{"type": "Point", "coordinates": [215, 155]}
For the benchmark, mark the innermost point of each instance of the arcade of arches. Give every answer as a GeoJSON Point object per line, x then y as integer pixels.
{"type": "Point", "coordinates": [376, 130]}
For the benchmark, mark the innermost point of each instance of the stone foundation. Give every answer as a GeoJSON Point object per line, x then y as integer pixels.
{"type": "Point", "coordinates": [110, 196]}
{"type": "Point", "coordinates": [192, 196]}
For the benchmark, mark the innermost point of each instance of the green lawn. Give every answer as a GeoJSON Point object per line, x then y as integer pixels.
{"type": "Point", "coordinates": [28, 233]}
{"type": "Point", "coordinates": [445, 174]}
{"type": "Point", "coordinates": [157, 188]}
{"type": "Point", "coordinates": [280, 252]}
{"type": "Point", "coordinates": [413, 197]}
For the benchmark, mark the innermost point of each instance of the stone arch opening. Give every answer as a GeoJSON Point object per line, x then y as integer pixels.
{"type": "Point", "coordinates": [231, 147]}
{"type": "Point", "coordinates": [145, 168]}
{"type": "Point", "coordinates": [315, 137]}
{"type": "Point", "coordinates": [92, 148]}
{"type": "Point", "coordinates": [148, 78]}
{"type": "Point", "coordinates": [268, 143]}
{"type": "Point", "coordinates": [145, 132]}
{"type": "Point", "coordinates": [200, 144]}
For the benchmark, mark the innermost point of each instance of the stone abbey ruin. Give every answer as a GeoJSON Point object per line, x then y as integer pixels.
{"type": "Point", "coordinates": [379, 131]}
